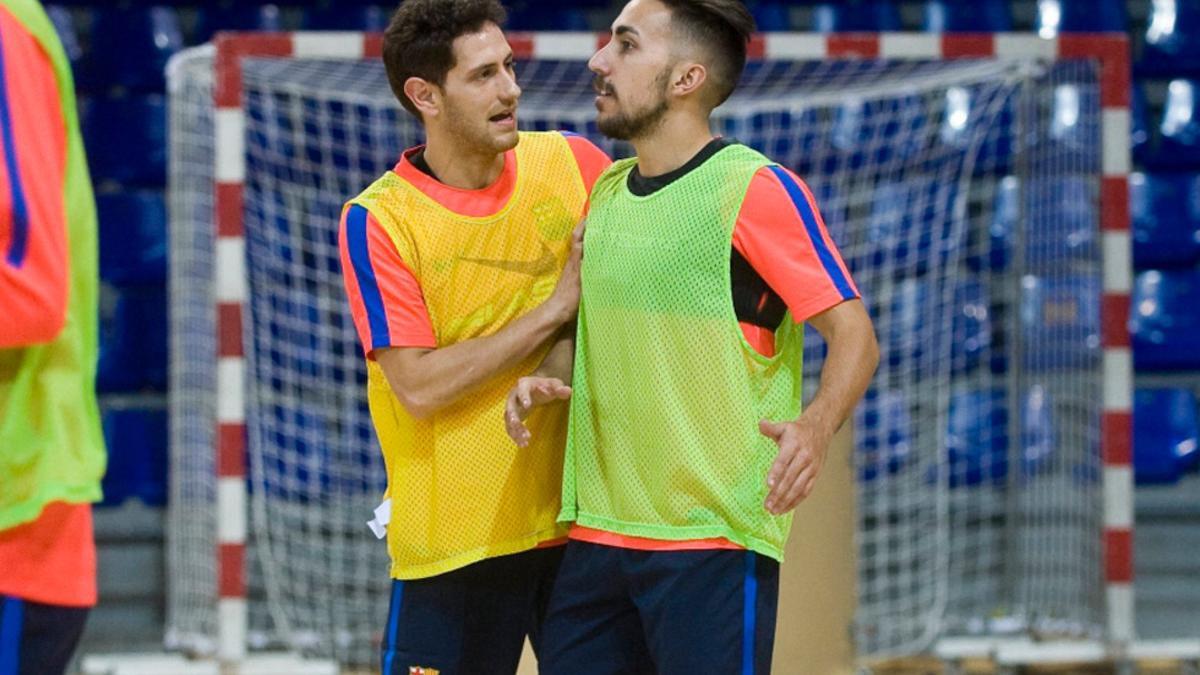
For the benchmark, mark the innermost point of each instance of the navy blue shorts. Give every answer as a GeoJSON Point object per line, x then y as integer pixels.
{"type": "Point", "coordinates": [470, 620]}
{"type": "Point", "coordinates": [38, 639]}
{"type": "Point", "coordinates": [622, 611]}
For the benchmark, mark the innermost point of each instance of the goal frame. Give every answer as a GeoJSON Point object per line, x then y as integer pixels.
{"type": "Point", "coordinates": [1110, 52]}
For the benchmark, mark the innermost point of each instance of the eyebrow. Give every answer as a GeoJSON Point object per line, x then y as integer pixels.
{"type": "Point", "coordinates": [622, 30]}
{"type": "Point", "coordinates": [479, 69]}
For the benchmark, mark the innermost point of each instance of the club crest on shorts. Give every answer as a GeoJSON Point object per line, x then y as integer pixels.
{"type": "Point", "coordinates": [421, 670]}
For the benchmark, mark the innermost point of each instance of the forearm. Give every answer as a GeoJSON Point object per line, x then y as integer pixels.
{"type": "Point", "coordinates": [440, 377]}
{"type": "Point", "coordinates": [849, 365]}
{"type": "Point", "coordinates": [560, 360]}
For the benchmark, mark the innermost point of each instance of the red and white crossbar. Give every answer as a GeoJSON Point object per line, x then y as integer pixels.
{"type": "Point", "coordinates": [1109, 50]}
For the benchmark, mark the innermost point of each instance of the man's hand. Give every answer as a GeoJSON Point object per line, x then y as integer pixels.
{"type": "Point", "coordinates": [529, 393]}
{"type": "Point", "coordinates": [802, 449]}
{"type": "Point", "coordinates": [566, 293]}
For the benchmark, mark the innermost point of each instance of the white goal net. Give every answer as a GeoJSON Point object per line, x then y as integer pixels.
{"type": "Point", "coordinates": [964, 197]}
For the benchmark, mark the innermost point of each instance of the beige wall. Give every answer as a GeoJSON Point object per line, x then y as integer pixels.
{"type": "Point", "coordinates": [817, 584]}
{"type": "Point", "coordinates": [817, 579]}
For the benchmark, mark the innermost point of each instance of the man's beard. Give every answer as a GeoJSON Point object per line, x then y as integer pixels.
{"type": "Point", "coordinates": [625, 126]}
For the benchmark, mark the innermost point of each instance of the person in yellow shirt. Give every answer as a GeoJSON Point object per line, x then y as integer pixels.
{"type": "Point", "coordinates": [461, 266]}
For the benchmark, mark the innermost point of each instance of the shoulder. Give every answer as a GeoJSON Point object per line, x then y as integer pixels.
{"type": "Point", "coordinates": [613, 176]}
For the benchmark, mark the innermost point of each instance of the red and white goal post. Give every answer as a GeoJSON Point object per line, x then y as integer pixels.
{"type": "Point", "coordinates": [976, 184]}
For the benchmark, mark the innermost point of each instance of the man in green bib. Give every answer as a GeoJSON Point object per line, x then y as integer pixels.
{"type": "Point", "coordinates": [687, 449]}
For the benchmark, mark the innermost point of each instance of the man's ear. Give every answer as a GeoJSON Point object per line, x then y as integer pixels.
{"type": "Point", "coordinates": [689, 79]}
{"type": "Point", "coordinates": [424, 95]}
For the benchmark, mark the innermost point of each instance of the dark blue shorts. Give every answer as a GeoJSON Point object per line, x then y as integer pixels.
{"type": "Point", "coordinates": [38, 639]}
{"type": "Point", "coordinates": [621, 611]}
{"type": "Point", "coordinates": [470, 620]}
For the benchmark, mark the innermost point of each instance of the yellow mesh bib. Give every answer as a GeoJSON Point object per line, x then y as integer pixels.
{"type": "Point", "coordinates": [461, 491]}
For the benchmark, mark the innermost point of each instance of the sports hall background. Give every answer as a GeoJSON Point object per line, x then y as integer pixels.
{"type": "Point", "coordinates": [120, 49]}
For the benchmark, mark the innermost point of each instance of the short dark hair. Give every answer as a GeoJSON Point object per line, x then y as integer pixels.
{"type": "Point", "coordinates": [419, 39]}
{"type": "Point", "coordinates": [722, 28]}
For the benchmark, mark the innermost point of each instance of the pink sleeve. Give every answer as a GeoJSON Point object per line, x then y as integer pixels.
{"type": "Point", "coordinates": [591, 160]}
{"type": "Point", "coordinates": [781, 234]}
{"type": "Point", "coordinates": [34, 265]}
{"type": "Point", "coordinates": [385, 298]}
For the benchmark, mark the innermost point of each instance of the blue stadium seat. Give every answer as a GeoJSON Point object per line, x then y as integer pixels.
{"type": "Point", "coordinates": [1140, 136]}
{"type": "Point", "coordinates": [1165, 434]}
{"type": "Point", "coordinates": [976, 440]}
{"type": "Point", "coordinates": [971, 326]}
{"type": "Point", "coordinates": [126, 139]}
{"type": "Point", "coordinates": [1165, 325]}
{"type": "Point", "coordinates": [964, 116]}
{"type": "Point", "coordinates": [883, 433]}
{"type": "Point", "coordinates": [298, 468]}
{"type": "Point", "coordinates": [1060, 321]}
{"type": "Point", "coordinates": [372, 18]}
{"type": "Point", "coordinates": [858, 125]}
{"type": "Point", "coordinates": [1165, 210]}
{"type": "Point", "coordinates": [912, 314]}
{"type": "Point", "coordinates": [1074, 136]}
{"type": "Point", "coordinates": [773, 16]}
{"type": "Point", "coordinates": [955, 16]}
{"type": "Point", "coordinates": [910, 334]}
{"type": "Point", "coordinates": [899, 231]}
{"type": "Point", "coordinates": [236, 16]}
{"type": "Point", "coordinates": [1039, 437]}
{"type": "Point", "coordinates": [133, 236]}
{"type": "Point", "coordinates": [68, 35]}
{"type": "Point", "coordinates": [796, 149]}
{"type": "Point", "coordinates": [1172, 38]}
{"type": "Point", "coordinates": [133, 338]}
{"type": "Point", "coordinates": [849, 16]}
{"type": "Point", "coordinates": [1080, 16]}
{"type": "Point", "coordinates": [131, 46]}
{"type": "Point", "coordinates": [996, 253]}
{"type": "Point", "coordinates": [1179, 130]}
{"type": "Point", "coordinates": [1063, 221]}
{"type": "Point", "coordinates": [548, 17]}
{"type": "Point", "coordinates": [137, 455]}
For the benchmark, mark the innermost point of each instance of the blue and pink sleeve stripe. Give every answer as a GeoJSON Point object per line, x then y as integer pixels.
{"type": "Point", "coordinates": [825, 254]}
{"type": "Point", "coordinates": [364, 275]}
{"type": "Point", "coordinates": [20, 210]}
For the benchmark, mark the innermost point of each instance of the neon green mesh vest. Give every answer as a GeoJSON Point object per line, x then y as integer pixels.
{"type": "Point", "coordinates": [51, 447]}
{"type": "Point", "coordinates": [664, 439]}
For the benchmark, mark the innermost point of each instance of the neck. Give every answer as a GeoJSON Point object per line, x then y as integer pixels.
{"type": "Point", "coordinates": [671, 144]}
{"type": "Point", "coordinates": [465, 168]}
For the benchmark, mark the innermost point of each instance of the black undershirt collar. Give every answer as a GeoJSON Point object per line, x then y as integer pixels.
{"type": "Point", "coordinates": [642, 186]}
{"type": "Point", "coordinates": [418, 160]}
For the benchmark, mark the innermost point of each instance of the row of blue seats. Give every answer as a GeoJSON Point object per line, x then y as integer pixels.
{"type": "Point", "coordinates": [942, 16]}
{"type": "Point", "coordinates": [1060, 326]}
{"type": "Point", "coordinates": [975, 444]}
{"type": "Point", "coordinates": [1174, 140]}
{"type": "Point", "coordinates": [129, 47]}
{"type": "Point", "coordinates": [1060, 315]}
{"type": "Point", "coordinates": [1060, 323]}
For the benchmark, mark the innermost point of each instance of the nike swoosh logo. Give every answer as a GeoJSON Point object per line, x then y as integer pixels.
{"type": "Point", "coordinates": [543, 265]}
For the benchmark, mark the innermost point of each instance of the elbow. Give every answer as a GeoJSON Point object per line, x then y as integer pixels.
{"type": "Point", "coordinates": [416, 405]}
{"type": "Point", "coordinates": [871, 357]}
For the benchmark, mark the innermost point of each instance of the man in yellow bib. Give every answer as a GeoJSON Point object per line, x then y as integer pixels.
{"type": "Point", "coordinates": [687, 451]}
{"type": "Point", "coordinates": [452, 265]}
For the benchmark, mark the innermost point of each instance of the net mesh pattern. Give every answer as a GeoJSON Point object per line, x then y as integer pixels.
{"type": "Point", "coordinates": [963, 196]}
